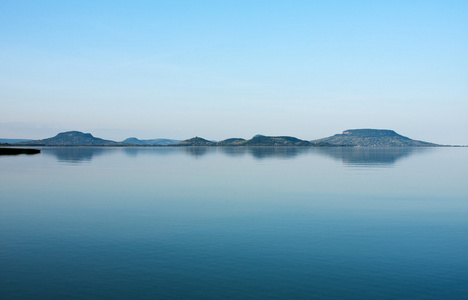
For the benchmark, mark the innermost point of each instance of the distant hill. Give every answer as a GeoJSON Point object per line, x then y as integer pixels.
{"type": "Point", "coordinates": [231, 142]}
{"type": "Point", "coordinates": [71, 138]}
{"type": "Point", "coordinates": [196, 141]}
{"type": "Point", "coordinates": [373, 138]}
{"type": "Point", "coordinates": [13, 141]}
{"type": "Point", "coordinates": [279, 141]}
{"type": "Point", "coordinates": [153, 142]}
{"type": "Point", "coordinates": [261, 140]}
{"type": "Point", "coordinates": [256, 141]}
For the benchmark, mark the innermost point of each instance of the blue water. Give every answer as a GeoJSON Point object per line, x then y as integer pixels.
{"type": "Point", "coordinates": [234, 223]}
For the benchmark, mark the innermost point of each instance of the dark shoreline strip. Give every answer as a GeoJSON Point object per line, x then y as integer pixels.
{"type": "Point", "coordinates": [17, 151]}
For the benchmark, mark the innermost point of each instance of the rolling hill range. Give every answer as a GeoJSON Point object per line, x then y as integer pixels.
{"type": "Point", "coordinates": [349, 138]}
{"type": "Point", "coordinates": [256, 141]}
{"type": "Point", "coordinates": [153, 142]}
{"type": "Point", "coordinates": [77, 138]}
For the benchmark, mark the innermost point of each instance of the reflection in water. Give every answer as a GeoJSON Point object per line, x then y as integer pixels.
{"type": "Point", "coordinates": [234, 151]}
{"type": "Point", "coordinates": [265, 152]}
{"type": "Point", "coordinates": [198, 151]}
{"type": "Point", "coordinates": [276, 152]}
{"type": "Point", "coordinates": [135, 151]}
{"type": "Point", "coordinates": [369, 155]}
{"type": "Point", "coordinates": [74, 154]}
{"type": "Point", "coordinates": [131, 151]}
{"type": "Point", "coordinates": [348, 155]}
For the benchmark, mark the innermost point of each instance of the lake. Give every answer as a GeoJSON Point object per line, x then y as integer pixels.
{"type": "Point", "coordinates": [234, 223]}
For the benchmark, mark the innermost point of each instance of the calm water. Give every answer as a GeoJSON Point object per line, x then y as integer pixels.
{"type": "Point", "coordinates": [234, 223]}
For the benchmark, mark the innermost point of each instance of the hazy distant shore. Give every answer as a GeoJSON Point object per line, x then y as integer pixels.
{"type": "Point", "coordinates": [348, 138]}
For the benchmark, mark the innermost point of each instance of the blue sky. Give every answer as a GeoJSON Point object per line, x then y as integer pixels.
{"type": "Point", "coordinates": [220, 69]}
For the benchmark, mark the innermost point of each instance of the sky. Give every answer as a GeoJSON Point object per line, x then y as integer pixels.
{"type": "Point", "coordinates": [222, 69]}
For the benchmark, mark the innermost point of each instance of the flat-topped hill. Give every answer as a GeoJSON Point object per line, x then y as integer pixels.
{"type": "Point", "coordinates": [370, 132]}
{"type": "Point", "coordinates": [71, 138]}
{"type": "Point", "coordinates": [373, 138]}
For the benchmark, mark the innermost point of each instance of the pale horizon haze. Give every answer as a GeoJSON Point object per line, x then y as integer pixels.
{"type": "Point", "coordinates": [221, 69]}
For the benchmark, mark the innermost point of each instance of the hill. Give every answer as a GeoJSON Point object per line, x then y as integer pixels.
{"type": "Point", "coordinates": [373, 138]}
{"type": "Point", "coordinates": [231, 142]}
{"type": "Point", "coordinates": [71, 138]}
{"type": "Point", "coordinates": [196, 141]}
{"type": "Point", "coordinates": [261, 140]}
{"type": "Point", "coordinates": [153, 142]}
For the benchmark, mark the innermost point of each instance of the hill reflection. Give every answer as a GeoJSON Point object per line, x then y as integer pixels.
{"type": "Point", "coordinates": [74, 154]}
{"type": "Point", "coordinates": [198, 151]}
{"type": "Point", "coordinates": [347, 155]}
{"type": "Point", "coordinates": [369, 155]}
{"type": "Point", "coordinates": [265, 152]}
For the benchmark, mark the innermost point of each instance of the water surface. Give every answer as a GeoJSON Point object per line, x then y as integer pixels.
{"type": "Point", "coordinates": [235, 223]}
